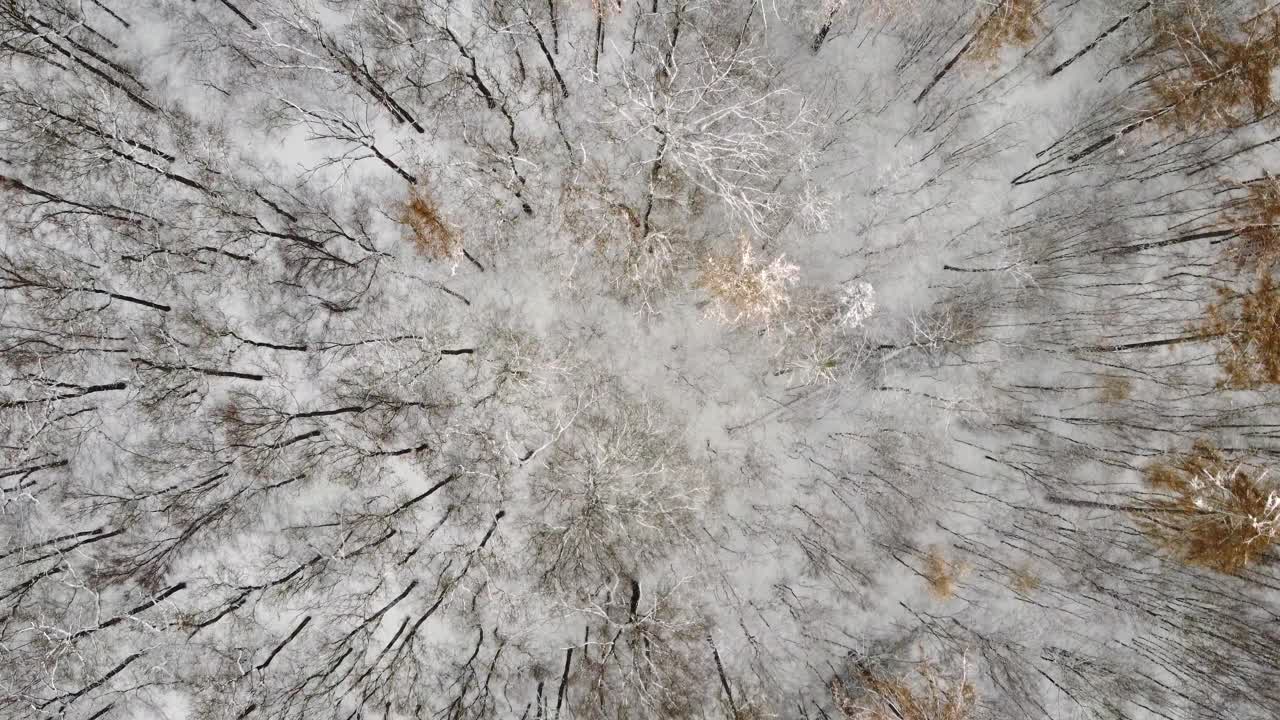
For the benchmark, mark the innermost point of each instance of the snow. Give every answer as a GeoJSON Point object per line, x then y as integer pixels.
{"type": "Point", "coordinates": [747, 346]}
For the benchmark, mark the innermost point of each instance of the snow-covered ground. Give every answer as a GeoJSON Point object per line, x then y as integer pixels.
{"type": "Point", "coordinates": [723, 358]}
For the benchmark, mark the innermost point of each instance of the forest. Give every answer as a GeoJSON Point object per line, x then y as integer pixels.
{"type": "Point", "coordinates": [630, 359]}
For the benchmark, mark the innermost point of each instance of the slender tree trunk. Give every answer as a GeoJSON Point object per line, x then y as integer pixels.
{"type": "Point", "coordinates": [1130, 249]}
{"type": "Point", "coordinates": [564, 681]}
{"type": "Point", "coordinates": [1072, 502]}
{"type": "Point", "coordinates": [263, 665]}
{"type": "Point", "coordinates": [1151, 343]}
{"type": "Point", "coordinates": [110, 12]}
{"type": "Point", "coordinates": [94, 130]}
{"type": "Point", "coordinates": [955, 58]}
{"type": "Point", "coordinates": [598, 45]}
{"type": "Point", "coordinates": [412, 180]}
{"type": "Point", "coordinates": [361, 76]}
{"type": "Point", "coordinates": [1224, 158]}
{"type": "Point", "coordinates": [564, 89]}
{"type": "Point", "coordinates": [474, 73]}
{"type": "Point", "coordinates": [1116, 26]}
{"type": "Point", "coordinates": [724, 681]}
{"type": "Point", "coordinates": [669, 58]}
{"type": "Point", "coordinates": [106, 212]}
{"type": "Point", "coordinates": [555, 26]}
{"type": "Point", "coordinates": [239, 14]}
{"type": "Point", "coordinates": [136, 98]}
{"type": "Point", "coordinates": [821, 35]}
{"type": "Point", "coordinates": [653, 180]}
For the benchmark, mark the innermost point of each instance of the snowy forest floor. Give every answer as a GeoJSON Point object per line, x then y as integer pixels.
{"type": "Point", "coordinates": [672, 359]}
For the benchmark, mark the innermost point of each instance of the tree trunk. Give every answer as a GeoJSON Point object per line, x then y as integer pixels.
{"type": "Point", "coordinates": [564, 89]}
{"type": "Point", "coordinates": [821, 35]}
{"type": "Point", "coordinates": [555, 26]}
{"type": "Point", "coordinates": [954, 59]}
{"type": "Point", "coordinates": [1152, 343]}
{"type": "Point", "coordinates": [1063, 66]}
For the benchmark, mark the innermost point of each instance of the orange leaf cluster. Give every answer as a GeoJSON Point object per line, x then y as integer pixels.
{"type": "Point", "coordinates": [1256, 220]}
{"type": "Point", "coordinates": [1012, 23]}
{"type": "Point", "coordinates": [433, 237]}
{"type": "Point", "coordinates": [927, 693]}
{"type": "Point", "coordinates": [942, 574]}
{"type": "Point", "coordinates": [743, 289]}
{"type": "Point", "coordinates": [1248, 328]}
{"type": "Point", "coordinates": [1207, 79]}
{"type": "Point", "coordinates": [1211, 511]}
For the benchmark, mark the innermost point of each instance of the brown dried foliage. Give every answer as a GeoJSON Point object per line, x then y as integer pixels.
{"type": "Point", "coordinates": [942, 574]}
{"type": "Point", "coordinates": [743, 289]}
{"type": "Point", "coordinates": [1211, 510]}
{"type": "Point", "coordinates": [1248, 329]}
{"type": "Point", "coordinates": [927, 693]}
{"type": "Point", "coordinates": [431, 234]}
{"type": "Point", "coordinates": [1207, 79]}
{"type": "Point", "coordinates": [1256, 219]}
{"type": "Point", "coordinates": [1115, 389]}
{"type": "Point", "coordinates": [1023, 580]}
{"type": "Point", "coordinates": [1011, 23]}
